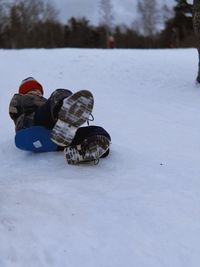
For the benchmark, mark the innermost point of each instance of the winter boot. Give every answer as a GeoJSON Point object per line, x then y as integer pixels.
{"type": "Point", "coordinates": [75, 111]}
{"type": "Point", "coordinates": [90, 149]}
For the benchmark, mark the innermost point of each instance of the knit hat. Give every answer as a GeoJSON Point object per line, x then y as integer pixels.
{"type": "Point", "coordinates": [30, 84]}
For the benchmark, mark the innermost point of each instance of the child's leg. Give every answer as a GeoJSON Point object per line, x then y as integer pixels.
{"type": "Point", "coordinates": [74, 112]}
{"type": "Point", "coordinates": [89, 144]}
{"type": "Point", "coordinates": [89, 131]}
{"type": "Point", "coordinates": [47, 114]}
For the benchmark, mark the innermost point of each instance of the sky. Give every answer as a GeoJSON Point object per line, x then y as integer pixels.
{"type": "Point", "coordinates": [124, 11]}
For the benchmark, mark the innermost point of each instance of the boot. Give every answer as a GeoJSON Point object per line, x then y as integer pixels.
{"type": "Point", "coordinates": [74, 112]}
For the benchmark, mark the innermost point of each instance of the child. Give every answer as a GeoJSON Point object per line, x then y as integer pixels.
{"type": "Point", "coordinates": [63, 113]}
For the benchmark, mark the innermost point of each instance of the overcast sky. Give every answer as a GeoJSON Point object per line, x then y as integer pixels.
{"type": "Point", "coordinates": [124, 10]}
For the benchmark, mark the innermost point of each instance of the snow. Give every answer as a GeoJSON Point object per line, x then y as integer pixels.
{"type": "Point", "coordinates": [137, 207]}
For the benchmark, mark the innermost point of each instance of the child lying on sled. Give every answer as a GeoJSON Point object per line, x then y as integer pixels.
{"type": "Point", "coordinates": [61, 115]}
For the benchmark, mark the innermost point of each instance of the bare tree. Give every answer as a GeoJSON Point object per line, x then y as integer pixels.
{"type": "Point", "coordinates": [106, 14]}
{"type": "Point", "coordinates": [148, 16]}
{"type": "Point", "coordinates": [34, 11]}
{"type": "Point", "coordinates": [27, 12]}
{"type": "Point", "coordinates": [3, 15]}
{"type": "Point", "coordinates": [23, 18]}
{"type": "Point", "coordinates": [167, 13]}
{"type": "Point", "coordinates": [50, 12]}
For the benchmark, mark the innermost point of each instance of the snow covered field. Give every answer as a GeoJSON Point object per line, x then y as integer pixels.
{"type": "Point", "coordinates": [138, 207]}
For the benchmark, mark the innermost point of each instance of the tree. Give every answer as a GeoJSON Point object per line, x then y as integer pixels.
{"type": "Point", "coordinates": [148, 16]}
{"type": "Point", "coordinates": [24, 18]}
{"type": "Point", "coordinates": [3, 22]}
{"type": "Point", "coordinates": [106, 14]}
{"type": "Point", "coordinates": [178, 30]}
{"type": "Point", "coordinates": [4, 7]}
{"type": "Point", "coordinates": [167, 13]}
{"type": "Point", "coordinates": [183, 7]}
{"type": "Point", "coordinates": [50, 13]}
{"type": "Point", "coordinates": [106, 20]}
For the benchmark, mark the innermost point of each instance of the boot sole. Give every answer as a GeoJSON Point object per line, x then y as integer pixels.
{"type": "Point", "coordinates": [74, 112]}
{"type": "Point", "coordinates": [96, 147]}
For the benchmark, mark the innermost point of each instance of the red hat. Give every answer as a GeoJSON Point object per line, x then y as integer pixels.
{"type": "Point", "coordinates": [30, 84]}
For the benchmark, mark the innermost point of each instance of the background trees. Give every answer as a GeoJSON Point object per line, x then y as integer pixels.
{"type": "Point", "coordinates": [178, 31]}
{"type": "Point", "coordinates": [35, 23]}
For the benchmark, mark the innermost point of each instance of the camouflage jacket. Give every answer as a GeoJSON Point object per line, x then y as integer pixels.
{"type": "Point", "coordinates": [22, 109]}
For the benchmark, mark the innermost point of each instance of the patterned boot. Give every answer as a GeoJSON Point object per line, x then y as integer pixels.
{"type": "Point", "coordinates": [75, 111]}
{"type": "Point", "coordinates": [90, 150]}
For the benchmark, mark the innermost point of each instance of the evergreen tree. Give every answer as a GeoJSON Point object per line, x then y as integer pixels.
{"type": "Point", "coordinates": [179, 30]}
{"type": "Point", "coordinates": [183, 7]}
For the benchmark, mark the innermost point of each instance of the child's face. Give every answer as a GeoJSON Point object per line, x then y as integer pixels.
{"type": "Point", "coordinates": [35, 92]}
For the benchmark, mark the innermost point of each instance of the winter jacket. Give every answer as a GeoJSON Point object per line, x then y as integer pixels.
{"type": "Point", "coordinates": [22, 109]}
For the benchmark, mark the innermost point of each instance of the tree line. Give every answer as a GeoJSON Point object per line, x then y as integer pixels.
{"type": "Point", "coordinates": [35, 24]}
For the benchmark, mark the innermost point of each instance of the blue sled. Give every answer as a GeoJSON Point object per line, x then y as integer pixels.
{"type": "Point", "coordinates": [36, 139]}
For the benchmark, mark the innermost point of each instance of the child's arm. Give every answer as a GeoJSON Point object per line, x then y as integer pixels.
{"type": "Point", "coordinates": [14, 107]}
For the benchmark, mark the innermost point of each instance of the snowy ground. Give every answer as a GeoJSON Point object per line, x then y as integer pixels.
{"type": "Point", "coordinates": [140, 206]}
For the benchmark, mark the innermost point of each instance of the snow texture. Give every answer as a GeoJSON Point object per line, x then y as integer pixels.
{"type": "Point", "coordinates": [138, 207]}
